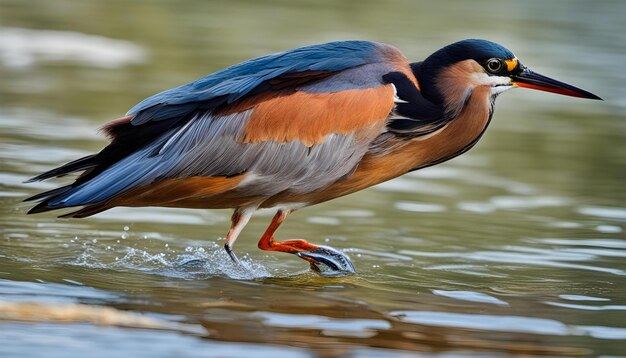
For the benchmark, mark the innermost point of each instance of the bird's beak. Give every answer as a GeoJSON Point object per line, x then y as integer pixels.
{"type": "Point", "coordinates": [530, 79]}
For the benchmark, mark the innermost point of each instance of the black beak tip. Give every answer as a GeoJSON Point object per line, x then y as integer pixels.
{"type": "Point", "coordinates": [586, 94]}
{"type": "Point", "coordinates": [593, 96]}
{"type": "Point", "coordinates": [533, 80]}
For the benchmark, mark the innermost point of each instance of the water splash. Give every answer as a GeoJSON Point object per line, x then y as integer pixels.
{"type": "Point", "coordinates": [195, 262]}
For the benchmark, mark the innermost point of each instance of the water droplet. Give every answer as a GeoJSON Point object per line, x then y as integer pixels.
{"type": "Point", "coordinates": [126, 228]}
{"type": "Point", "coordinates": [94, 240]}
{"type": "Point", "coordinates": [124, 236]}
{"type": "Point", "coordinates": [167, 245]}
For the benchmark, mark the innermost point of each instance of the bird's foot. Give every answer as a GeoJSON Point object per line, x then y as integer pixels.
{"type": "Point", "coordinates": [327, 261]}
{"type": "Point", "coordinates": [231, 253]}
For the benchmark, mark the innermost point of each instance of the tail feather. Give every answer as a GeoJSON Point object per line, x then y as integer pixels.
{"type": "Point", "coordinates": [43, 207]}
{"type": "Point", "coordinates": [92, 189]}
{"type": "Point", "coordinates": [87, 211]}
{"type": "Point", "coordinates": [71, 167]}
{"type": "Point", "coordinates": [56, 199]}
{"type": "Point", "coordinates": [47, 203]}
{"type": "Point", "coordinates": [49, 194]}
{"type": "Point", "coordinates": [82, 213]}
{"type": "Point", "coordinates": [45, 198]}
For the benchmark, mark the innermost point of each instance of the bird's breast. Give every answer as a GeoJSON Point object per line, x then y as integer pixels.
{"type": "Point", "coordinates": [410, 154]}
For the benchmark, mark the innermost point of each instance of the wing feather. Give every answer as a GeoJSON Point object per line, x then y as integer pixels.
{"type": "Point", "coordinates": [235, 82]}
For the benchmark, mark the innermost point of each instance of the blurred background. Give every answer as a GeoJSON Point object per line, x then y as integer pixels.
{"type": "Point", "coordinates": [515, 248]}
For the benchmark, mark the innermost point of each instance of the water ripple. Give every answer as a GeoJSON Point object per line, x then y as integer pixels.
{"type": "Point", "coordinates": [470, 296]}
{"type": "Point", "coordinates": [582, 298]}
{"type": "Point", "coordinates": [587, 307]}
{"type": "Point", "coordinates": [518, 324]}
{"type": "Point", "coordinates": [20, 47]}
{"type": "Point", "coordinates": [527, 256]}
{"type": "Point", "coordinates": [352, 326]}
{"type": "Point", "coordinates": [610, 243]}
{"type": "Point", "coordinates": [604, 212]}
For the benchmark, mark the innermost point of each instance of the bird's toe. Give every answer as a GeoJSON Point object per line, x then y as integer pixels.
{"type": "Point", "coordinates": [328, 261]}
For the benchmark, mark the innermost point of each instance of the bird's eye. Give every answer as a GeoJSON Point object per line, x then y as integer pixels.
{"type": "Point", "coordinates": [494, 65]}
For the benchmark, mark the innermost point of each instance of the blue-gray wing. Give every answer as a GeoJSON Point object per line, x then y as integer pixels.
{"type": "Point", "coordinates": [293, 154]}
{"type": "Point", "coordinates": [235, 82]}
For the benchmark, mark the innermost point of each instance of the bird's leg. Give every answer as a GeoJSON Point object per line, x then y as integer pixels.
{"type": "Point", "coordinates": [323, 259]}
{"type": "Point", "coordinates": [268, 243]}
{"type": "Point", "coordinates": [239, 219]}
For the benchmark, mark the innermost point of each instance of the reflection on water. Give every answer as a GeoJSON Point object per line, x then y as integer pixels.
{"type": "Point", "coordinates": [517, 247]}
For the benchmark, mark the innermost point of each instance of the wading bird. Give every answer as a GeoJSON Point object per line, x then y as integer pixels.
{"type": "Point", "coordinates": [294, 129]}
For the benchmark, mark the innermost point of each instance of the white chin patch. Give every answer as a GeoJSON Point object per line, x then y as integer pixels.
{"type": "Point", "coordinates": [498, 84]}
{"type": "Point", "coordinates": [496, 90]}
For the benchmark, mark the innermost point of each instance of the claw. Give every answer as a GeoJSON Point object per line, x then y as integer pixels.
{"type": "Point", "coordinates": [232, 255]}
{"type": "Point", "coordinates": [327, 261]}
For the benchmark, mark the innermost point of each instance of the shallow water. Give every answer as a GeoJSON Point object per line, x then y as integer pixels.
{"type": "Point", "coordinates": [517, 247]}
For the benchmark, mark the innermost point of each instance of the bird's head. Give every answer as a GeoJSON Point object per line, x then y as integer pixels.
{"type": "Point", "coordinates": [450, 75]}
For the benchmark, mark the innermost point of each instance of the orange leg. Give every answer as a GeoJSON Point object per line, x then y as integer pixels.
{"type": "Point", "coordinates": [268, 243]}
{"type": "Point", "coordinates": [323, 259]}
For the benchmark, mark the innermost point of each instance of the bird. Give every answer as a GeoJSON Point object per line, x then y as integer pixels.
{"type": "Point", "coordinates": [293, 129]}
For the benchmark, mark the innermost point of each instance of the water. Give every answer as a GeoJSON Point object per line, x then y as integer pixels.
{"type": "Point", "coordinates": [517, 247]}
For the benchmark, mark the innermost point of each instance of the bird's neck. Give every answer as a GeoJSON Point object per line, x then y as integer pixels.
{"type": "Point", "coordinates": [448, 87]}
{"type": "Point", "coordinates": [458, 136]}
{"type": "Point", "coordinates": [453, 139]}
